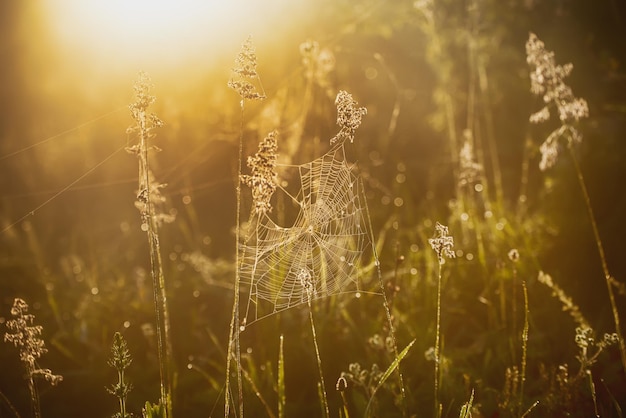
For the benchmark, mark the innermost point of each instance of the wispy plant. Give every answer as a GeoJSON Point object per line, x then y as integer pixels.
{"type": "Point", "coordinates": [443, 245]}
{"type": "Point", "coordinates": [547, 80]}
{"type": "Point", "coordinates": [26, 337]}
{"type": "Point", "coordinates": [148, 197]}
{"type": "Point", "coordinates": [243, 75]}
{"type": "Point", "coordinates": [120, 360]}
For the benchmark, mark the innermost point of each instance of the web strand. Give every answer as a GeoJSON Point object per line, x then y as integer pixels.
{"type": "Point", "coordinates": [82, 125]}
{"type": "Point", "coordinates": [63, 190]}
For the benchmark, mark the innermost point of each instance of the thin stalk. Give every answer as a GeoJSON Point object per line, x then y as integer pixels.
{"type": "Point", "coordinates": [524, 351]}
{"type": "Point", "coordinates": [158, 280]}
{"type": "Point", "coordinates": [233, 337]}
{"type": "Point", "coordinates": [605, 268]}
{"type": "Point", "coordinates": [9, 405]}
{"type": "Point", "coordinates": [592, 388]}
{"type": "Point", "coordinates": [122, 399]}
{"type": "Point", "coordinates": [319, 362]}
{"type": "Point", "coordinates": [437, 345]}
{"type": "Point", "coordinates": [282, 399]}
{"type": "Point", "coordinates": [34, 395]}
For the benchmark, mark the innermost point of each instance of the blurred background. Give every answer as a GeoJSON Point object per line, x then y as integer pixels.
{"type": "Point", "coordinates": [71, 243]}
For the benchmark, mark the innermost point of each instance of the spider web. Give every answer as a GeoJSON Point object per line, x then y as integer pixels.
{"type": "Point", "coordinates": [320, 254]}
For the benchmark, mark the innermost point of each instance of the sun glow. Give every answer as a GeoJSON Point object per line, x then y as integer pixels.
{"type": "Point", "coordinates": [148, 32]}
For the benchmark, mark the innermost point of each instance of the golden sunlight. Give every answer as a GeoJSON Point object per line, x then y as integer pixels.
{"type": "Point", "coordinates": [148, 32]}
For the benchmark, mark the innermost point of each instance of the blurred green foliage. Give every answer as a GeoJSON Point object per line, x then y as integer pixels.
{"type": "Point", "coordinates": [432, 75]}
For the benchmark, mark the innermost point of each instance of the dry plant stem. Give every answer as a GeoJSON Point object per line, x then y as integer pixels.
{"type": "Point", "coordinates": [319, 361]}
{"type": "Point", "coordinates": [282, 400]}
{"type": "Point", "coordinates": [592, 388]}
{"type": "Point", "coordinates": [234, 332]}
{"type": "Point", "coordinates": [158, 280]}
{"type": "Point", "coordinates": [525, 414]}
{"type": "Point", "coordinates": [437, 345]}
{"type": "Point", "coordinates": [9, 405]}
{"type": "Point", "coordinates": [524, 351]}
{"type": "Point", "coordinates": [605, 268]}
{"type": "Point", "coordinates": [34, 395]}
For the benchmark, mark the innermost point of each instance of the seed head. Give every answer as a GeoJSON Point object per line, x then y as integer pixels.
{"type": "Point", "coordinates": [25, 336]}
{"type": "Point", "coordinates": [245, 70]}
{"type": "Point", "coordinates": [348, 117]}
{"type": "Point", "coordinates": [546, 80]}
{"type": "Point", "coordinates": [263, 178]}
{"type": "Point", "coordinates": [442, 243]}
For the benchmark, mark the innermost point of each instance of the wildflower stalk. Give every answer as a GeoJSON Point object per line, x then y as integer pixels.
{"type": "Point", "coordinates": [148, 190]}
{"type": "Point", "coordinates": [605, 268]}
{"type": "Point", "coordinates": [437, 344]}
{"type": "Point", "coordinates": [547, 79]}
{"type": "Point", "coordinates": [233, 337]}
{"type": "Point", "coordinates": [442, 243]}
{"type": "Point", "coordinates": [25, 336]}
{"type": "Point", "coordinates": [120, 360]}
{"type": "Point", "coordinates": [242, 73]}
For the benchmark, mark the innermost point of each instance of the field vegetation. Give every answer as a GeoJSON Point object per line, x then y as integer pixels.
{"type": "Point", "coordinates": [331, 208]}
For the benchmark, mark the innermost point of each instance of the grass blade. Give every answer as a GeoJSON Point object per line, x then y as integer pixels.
{"type": "Point", "coordinates": [282, 399]}
{"type": "Point", "coordinates": [392, 367]}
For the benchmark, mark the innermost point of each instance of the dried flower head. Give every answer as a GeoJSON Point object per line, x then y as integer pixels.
{"type": "Point", "coordinates": [263, 178]}
{"type": "Point", "coordinates": [146, 122]}
{"type": "Point", "coordinates": [546, 80]}
{"type": "Point", "coordinates": [244, 71]}
{"type": "Point", "coordinates": [348, 117]}
{"type": "Point", "coordinates": [442, 243]}
{"type": "Point", "coordinates": [25, 336]}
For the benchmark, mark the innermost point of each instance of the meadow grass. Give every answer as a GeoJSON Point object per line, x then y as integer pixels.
{"type": "Point", "coordinates": [495, 326]}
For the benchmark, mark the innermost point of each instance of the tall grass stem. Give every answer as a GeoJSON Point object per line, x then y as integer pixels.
{"type": "Point", "coordinates": [234, 332]}
{"type": "Point", "coordinates": [605, 268]}
{"type": "Point", "coordinates": [319, 362]}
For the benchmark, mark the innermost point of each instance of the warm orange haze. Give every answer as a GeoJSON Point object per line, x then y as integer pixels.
{"type": "Point", "coordinates": [331, 208]}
